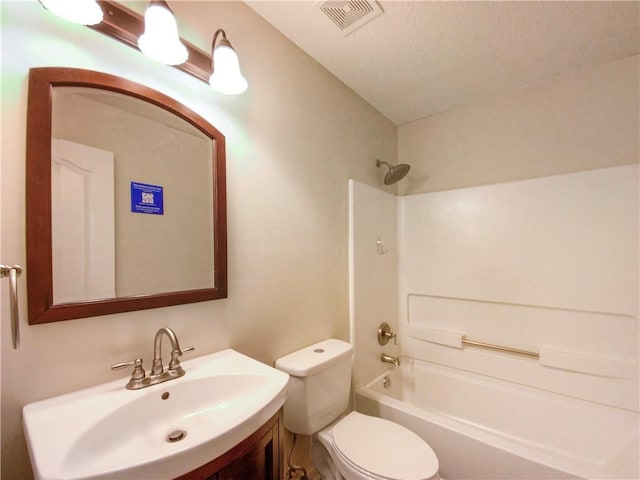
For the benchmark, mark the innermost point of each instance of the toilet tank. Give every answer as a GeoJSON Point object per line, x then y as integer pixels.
{"type": "Point", "coordinates": [319, 385]}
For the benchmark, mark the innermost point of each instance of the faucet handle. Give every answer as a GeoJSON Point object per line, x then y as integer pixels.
{"type": "Point", "coordinates": [385, 333]}
{"type": "Point", "coordinates": [138, 371]}
{"type": "Point", "coordinates": [174, 363]}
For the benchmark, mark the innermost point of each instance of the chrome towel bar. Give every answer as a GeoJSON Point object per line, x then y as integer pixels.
{"type": "Point", "coordinates": [500, 348]}
{"type": "Point", "coordinates": [13, 273]}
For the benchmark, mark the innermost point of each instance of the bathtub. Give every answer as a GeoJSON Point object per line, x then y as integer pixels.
{"type": "Point", "coordinates": [485, 428]}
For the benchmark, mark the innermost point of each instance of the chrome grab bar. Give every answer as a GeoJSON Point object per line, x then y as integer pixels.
{"type": "Point", "coordinates": [500, 348]}
{"type": "Point", "coordinates": [13, 273]}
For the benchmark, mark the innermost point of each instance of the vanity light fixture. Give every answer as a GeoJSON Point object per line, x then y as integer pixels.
{"type": "Point", "coordinates": [84, 12]}
{"type": "Point", "coordinates": [156, 35]}
{"type": "Point", "coordinates": [160, 40]}
{"type": "Point", "coordinates": [226, 76]}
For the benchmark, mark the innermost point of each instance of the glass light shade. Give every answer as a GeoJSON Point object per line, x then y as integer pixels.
{"type": "Point", "coordinates": [160, 40]}
{"type": "Point", "coordinates": [84, 12]}
{"type": "Point", "coordinates": [226, 77]}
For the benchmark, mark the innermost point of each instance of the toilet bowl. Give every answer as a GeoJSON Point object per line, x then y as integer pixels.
{"type": "Point", "coordinates": [352, 446]}
{"type": "Point", "coordinates": [361, 447]}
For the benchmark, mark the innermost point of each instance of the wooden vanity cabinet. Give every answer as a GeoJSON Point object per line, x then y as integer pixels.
{"type": "Point", "coordinates": [260, 456]}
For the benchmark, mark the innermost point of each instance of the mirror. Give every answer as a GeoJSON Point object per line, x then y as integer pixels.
{"type": "Point", "coordinates": [126, 202]}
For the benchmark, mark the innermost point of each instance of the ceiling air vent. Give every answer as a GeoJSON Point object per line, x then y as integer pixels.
{"type": "Point", "coordinates": [351, 15]}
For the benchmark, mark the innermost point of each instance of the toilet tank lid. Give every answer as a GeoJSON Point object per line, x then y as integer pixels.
{"type": "Point", "coordinates": [314, 358]}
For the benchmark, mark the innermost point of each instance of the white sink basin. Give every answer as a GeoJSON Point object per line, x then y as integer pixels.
{"type": "Point", "coordinates": [108, 432]}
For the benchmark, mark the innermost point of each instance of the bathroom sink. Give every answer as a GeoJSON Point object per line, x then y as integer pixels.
{"type": "Point", "coordinates": [162, 431]}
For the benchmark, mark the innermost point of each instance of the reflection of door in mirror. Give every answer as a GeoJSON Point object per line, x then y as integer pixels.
{"type": "Point", "coordinates": [82, 222]}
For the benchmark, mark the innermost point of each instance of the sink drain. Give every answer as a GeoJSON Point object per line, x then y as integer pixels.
{"type": "Point", "coordinates": [176, 436]}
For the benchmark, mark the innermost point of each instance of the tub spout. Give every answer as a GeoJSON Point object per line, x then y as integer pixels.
{"type": "Point", "coordinates": [389, 359]}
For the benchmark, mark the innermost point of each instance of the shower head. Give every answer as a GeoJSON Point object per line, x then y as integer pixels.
{"type": "Point", "coordinates": [395, 173]}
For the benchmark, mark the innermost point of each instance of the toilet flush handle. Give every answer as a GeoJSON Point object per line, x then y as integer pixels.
{"type": "Point", "coordinates": [385, 333]}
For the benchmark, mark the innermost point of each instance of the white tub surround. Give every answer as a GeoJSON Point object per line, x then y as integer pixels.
{"type": "Point", "coordinates": [373, 285]}
{"type": "Point", "coordinates": [547, 267]}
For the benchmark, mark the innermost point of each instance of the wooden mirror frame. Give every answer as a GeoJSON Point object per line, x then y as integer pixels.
{"type": "Point", "coordinates": [38, 199]}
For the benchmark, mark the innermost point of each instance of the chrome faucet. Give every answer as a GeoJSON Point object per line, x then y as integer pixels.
{"type": "Point", "coordinates": [389, 359]}
{"type": "Point", "coordinates": [158, 374]}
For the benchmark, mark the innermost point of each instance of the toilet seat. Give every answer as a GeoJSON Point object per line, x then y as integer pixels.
{"type": "Point", "coordinates": [382, 450]}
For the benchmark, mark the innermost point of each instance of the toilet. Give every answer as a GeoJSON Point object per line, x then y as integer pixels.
{"type": "Point", "coordinates": [347, 446]}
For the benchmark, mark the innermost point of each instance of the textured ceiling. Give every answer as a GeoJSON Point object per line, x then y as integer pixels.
{"type": "Point", "coordinates": [422, 57]}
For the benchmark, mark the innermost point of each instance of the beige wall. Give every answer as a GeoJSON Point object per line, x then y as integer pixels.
{"type": "Point", "coordinates": [584, 120]}
{"type": "Point", "coordinates": [293, 140]}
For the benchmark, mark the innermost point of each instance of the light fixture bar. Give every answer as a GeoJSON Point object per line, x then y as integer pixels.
{"type": "Point", "coordinates": [126, 26]}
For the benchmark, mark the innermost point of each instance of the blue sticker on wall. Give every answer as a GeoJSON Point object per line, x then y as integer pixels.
{"type": "Point", "coordinates": [146, 198]}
